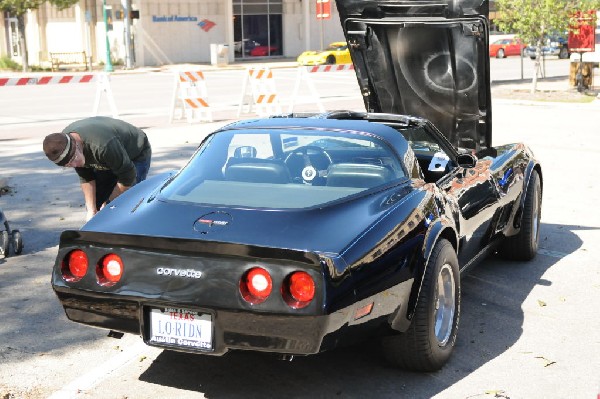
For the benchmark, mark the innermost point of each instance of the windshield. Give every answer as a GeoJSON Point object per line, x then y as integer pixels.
{"type": "Point", "coordinates": [273, 168]}
{"type": "Point", "coordinates": [336, 47]}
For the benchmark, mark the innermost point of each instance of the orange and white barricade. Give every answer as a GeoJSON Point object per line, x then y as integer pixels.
{"type": "Point", "coordinates": [303, 76]}
{"type": "Point", "coordinates": [102, 81]}
{"type": "Point", "coordinates": [263, 93]}
{"type": "Point", "coordinates": [191, 97]}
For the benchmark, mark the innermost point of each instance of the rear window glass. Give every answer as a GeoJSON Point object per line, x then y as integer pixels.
{"type": "Point", "coordinates": [283, 169]}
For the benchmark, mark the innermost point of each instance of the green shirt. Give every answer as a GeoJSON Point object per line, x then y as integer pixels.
{"type": "Point", "coordinates": [110, 144]}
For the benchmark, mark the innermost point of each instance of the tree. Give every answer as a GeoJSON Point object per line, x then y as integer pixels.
{"type": "Point", "coordinates": [534, 20]}
{"type": "Point", "coordinates": [18, 9]}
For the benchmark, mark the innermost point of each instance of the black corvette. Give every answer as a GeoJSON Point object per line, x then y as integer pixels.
{"type": "Point", "coordinates": [296, 234]}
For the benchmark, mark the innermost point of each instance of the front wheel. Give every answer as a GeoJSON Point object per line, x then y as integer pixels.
{"type": "Point", "coordinates": [330, 60]}
{"type": "Point", "coordinates": [500, 54]}
{"type": "Point", "coordinates": [429, 341]}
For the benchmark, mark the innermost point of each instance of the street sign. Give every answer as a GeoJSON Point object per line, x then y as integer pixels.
{"type": "Point", "coordinates": [582, 32]}
{"type": "Point", "coordinates": [323, 9]}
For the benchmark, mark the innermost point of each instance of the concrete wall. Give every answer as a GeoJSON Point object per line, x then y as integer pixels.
{"type": "Point", "coordinates": [3, 41]}
{"type": "Point", "coordinates": [331, 28]}
{"type": "Point", "coordinates": [302, 30]}
{"type": "Point", "coordinates": [169, 32]}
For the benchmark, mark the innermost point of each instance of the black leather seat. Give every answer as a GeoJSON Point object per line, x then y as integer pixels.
{"type": "Point", "coordinates": [255, 170]}
{"type": "Point", "coordinates": [357, 175]}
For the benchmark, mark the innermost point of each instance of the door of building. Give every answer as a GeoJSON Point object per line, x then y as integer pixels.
{"type": "Point", "coordinates": [257, 28]}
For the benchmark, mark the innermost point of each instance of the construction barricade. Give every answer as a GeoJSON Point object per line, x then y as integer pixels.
{"type": "Point", "coordinates": [262, 94]}
{"type": "Point", "coordinates": [102, 81]}
{"type": "Point", "coordinates": [303, 76]}
{"type": "Point", "coordinates": [190, 98]}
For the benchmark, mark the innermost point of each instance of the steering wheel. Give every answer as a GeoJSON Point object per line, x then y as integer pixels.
{"type": "Point", "coordinates": [307, 163]}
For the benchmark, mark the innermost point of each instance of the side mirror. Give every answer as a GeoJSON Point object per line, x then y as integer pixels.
{"type": "Point", "coordinates": [466, 160]}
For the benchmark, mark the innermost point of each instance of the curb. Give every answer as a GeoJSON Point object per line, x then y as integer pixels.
{"type": "Point", "coordinates": [272, 64]}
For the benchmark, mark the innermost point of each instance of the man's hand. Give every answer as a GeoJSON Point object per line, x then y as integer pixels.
{"type": "Point", "coordinates": [118, 190]}
{"type": "Point", "coordinates": [90, 214]}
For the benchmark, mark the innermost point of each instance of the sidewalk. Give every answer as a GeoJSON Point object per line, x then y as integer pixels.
{"type": "Point", "coordinates": [271, 63]}
{"type": "Point", "coordinates": [554, 89]}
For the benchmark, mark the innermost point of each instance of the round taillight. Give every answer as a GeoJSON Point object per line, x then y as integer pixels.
{"type": "Point", "coordinates": [75, 265]}
{"type": "Point", "coordinates": [109, 270]}
{"type": "Point", "coordinates": [299, 290]}
{"type": "Point", "coordinates": [256, 285]}
{"type": "Point", "coordinates": [302, 286]}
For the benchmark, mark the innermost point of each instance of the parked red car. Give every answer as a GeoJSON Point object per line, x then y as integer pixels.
{"type": "Point", "coordinates": [263, 51]}
{"type": "Point", "coordinates": [505, 47]}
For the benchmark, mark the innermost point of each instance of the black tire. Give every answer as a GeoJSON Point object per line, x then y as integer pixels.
{"type": "Point", "coordinates": [429, 341]}
{"type": "Point", "coordinates": [500, 54]}
{"type": "Point", "coordinates": [17, 242]}
{"type": "Point", "coordinates": [330, 60]}
{"type": "Point", "coordinates": [524, 245]}
{"type": "Point", "coordinates": [564, 53]}
{"type": "Point", "coordinates": [3, 244]}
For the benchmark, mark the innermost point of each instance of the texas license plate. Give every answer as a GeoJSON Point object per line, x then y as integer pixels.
{"type": "Point", "coordinates": [181, 327]}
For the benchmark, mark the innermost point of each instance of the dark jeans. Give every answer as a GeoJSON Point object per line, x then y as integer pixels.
{"type": "Point", "coordinates": [107, 180]}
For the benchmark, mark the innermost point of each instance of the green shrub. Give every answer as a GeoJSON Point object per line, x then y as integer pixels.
{"type": "Point", "coordinates": [7, 63]}
{"type": "Point", "coordinates": [39, 68]}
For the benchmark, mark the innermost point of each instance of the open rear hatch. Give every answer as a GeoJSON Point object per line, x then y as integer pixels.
{"type": "Point", "coordinates": [424, 58]}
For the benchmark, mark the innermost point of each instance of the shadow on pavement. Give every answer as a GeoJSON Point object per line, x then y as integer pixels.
{"type": "Point", "coordinates": [44, 201]}
{"type": "Point", "coordinates": [491, 321]}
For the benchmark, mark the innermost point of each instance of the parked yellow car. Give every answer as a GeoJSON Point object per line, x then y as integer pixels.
{"type": "Point", "coordinates": [335, 53]}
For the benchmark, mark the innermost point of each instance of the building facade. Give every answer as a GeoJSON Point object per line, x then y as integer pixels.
{"type": "Point", "coordinates": [173, 31]}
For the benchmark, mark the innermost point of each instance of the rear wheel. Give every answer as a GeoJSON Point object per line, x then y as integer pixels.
{"type": "Point", "coordinates": [3, 244]}
{"type": "Point", "coordinates": [524, 245]}
{"type": "Point", "coordinates": [564, 53]}
{"type": "Point", "coordinates": [17, 242]}
{"type": "Point", "coordinates": [330, 60]}
{"type": "Point", "coordinates": [429, 341]}
{"type": "Point", "coordinates": [500, 53]}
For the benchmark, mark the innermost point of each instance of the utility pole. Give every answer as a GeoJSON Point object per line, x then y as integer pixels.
{"type": "Point", "coordinates": [108, 67]}
{"type": "Point", "coordinates": [128, 52]}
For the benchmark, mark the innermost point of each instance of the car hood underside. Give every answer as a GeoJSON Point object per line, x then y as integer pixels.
{"type": "Point", "coordinates": [424, 58]}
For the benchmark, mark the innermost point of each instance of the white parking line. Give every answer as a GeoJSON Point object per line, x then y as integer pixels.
{"type": "Point", "coordinates": [87, 381]}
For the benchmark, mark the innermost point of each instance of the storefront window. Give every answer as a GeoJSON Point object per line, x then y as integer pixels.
{"type": "Point", "coordinates": [12, 36]}
{"type": "Point", "coordinates": [257, 28]}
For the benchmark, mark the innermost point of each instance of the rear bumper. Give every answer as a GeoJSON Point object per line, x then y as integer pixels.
{"type": "Point", "coordinates": [243, 329]}
{"type": "Point", "coordinates": [289, 334]}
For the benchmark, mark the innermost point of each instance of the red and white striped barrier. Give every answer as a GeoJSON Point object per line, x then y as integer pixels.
{"type": "Point", "coordinates": [45, 80]}
{"type": "Point", "coordinates": [303, 75]}
{"type": "Point", "coordinates": [263, 92]}
{"type": "Point", "coordinates": [191, 96]}
{"type": "Point", "coordinates": [330, 68]}
{"type": "Point", "coordinates": [102, 80]}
